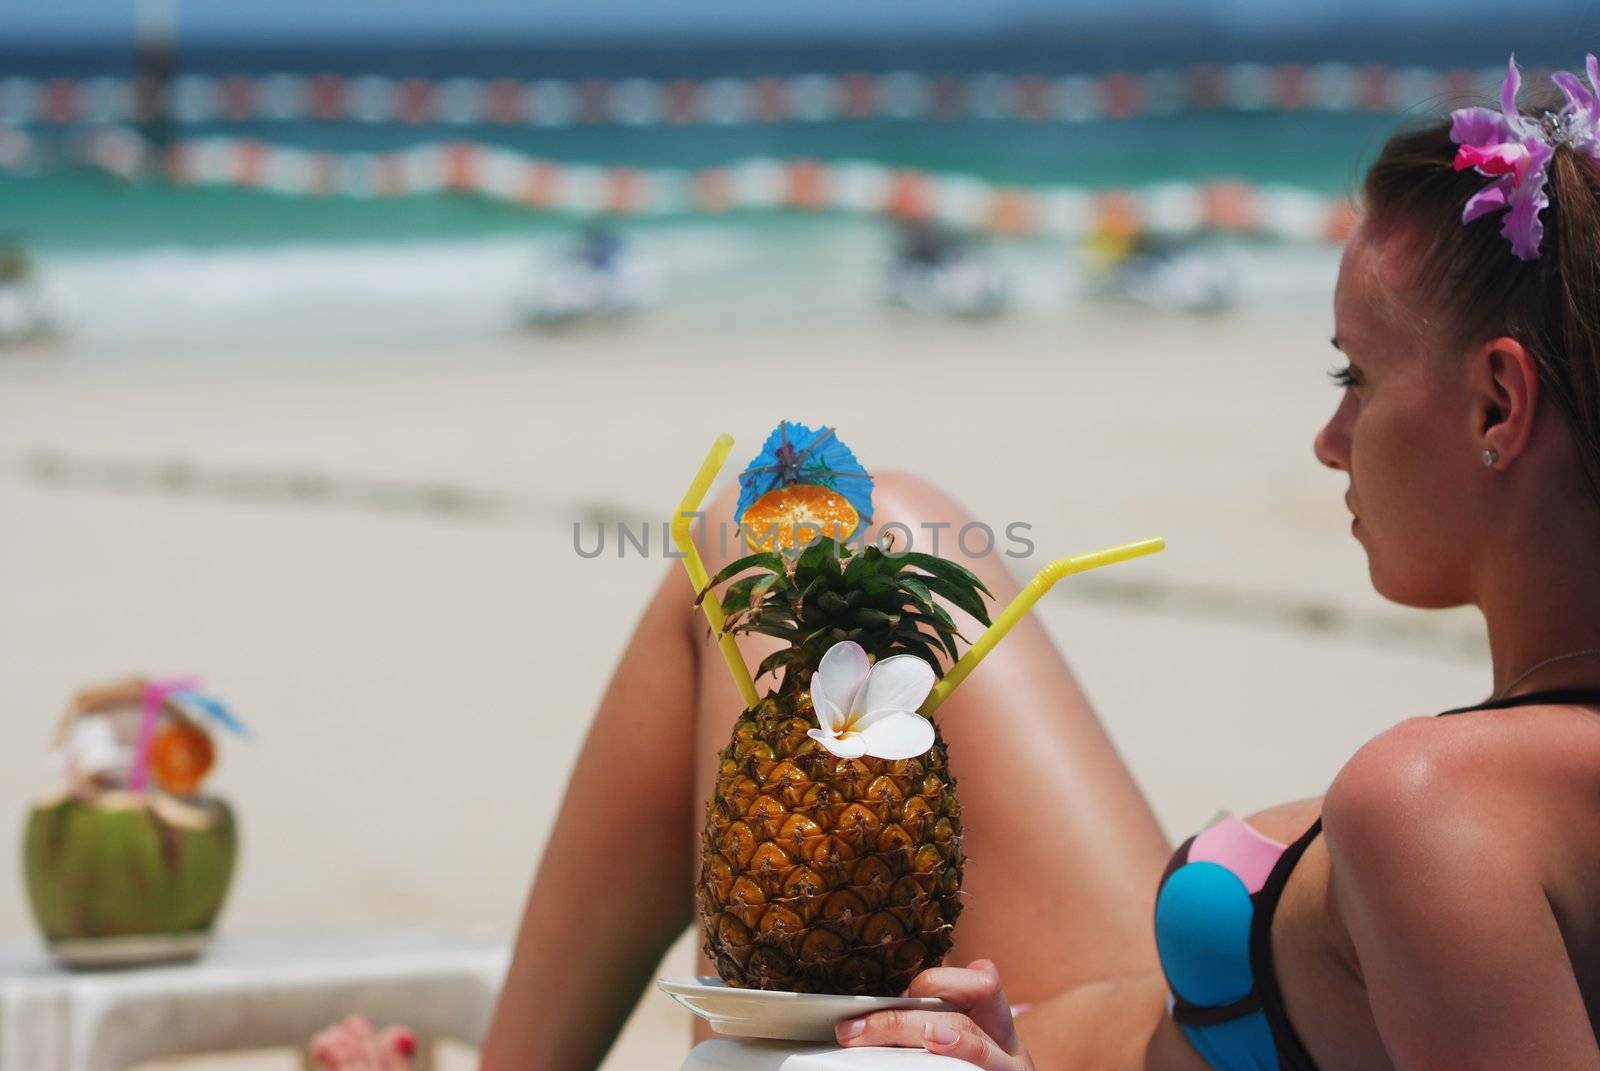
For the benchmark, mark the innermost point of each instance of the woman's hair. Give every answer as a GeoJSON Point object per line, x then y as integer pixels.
{"type": "Point", "coordinates": [1468, 274]}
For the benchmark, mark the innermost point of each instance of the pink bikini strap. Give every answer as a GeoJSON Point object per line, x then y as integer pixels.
{"type": "Point", "coordinates": [1233, 843]}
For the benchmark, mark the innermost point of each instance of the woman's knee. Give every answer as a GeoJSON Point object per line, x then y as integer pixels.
{"type": "Point", "coordinates": [716, 532]}
{"type": "Point", "coordinates": [906, 498]}
{"type": "Point", "coordinates": [923, 516]}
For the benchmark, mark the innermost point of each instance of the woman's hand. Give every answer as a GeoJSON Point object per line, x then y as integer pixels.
{"type": "Point", "coordinates": [981, 1033]}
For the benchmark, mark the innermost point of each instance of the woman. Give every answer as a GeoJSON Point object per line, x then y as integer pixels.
{"type": "Point", "coordinates": [1440, 907]}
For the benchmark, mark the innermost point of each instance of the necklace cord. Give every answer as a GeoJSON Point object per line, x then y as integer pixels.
{"type": "Point", "coordinates": [1504, 692]}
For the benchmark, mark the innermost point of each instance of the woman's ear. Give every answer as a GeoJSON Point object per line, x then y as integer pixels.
{"type": "Point", "coordinates": [1505, 384]}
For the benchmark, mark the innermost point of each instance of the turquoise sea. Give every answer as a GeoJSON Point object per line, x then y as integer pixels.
{"type": "Point", "coordinates": [78, 211]}
{"type": "Point", "coordinates": [217, 260]}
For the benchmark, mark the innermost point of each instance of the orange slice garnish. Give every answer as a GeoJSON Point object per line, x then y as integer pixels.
{"type": "Point", "coordinates": [181, 754]}
{"type": "Point", "coordinates": [797, 513]}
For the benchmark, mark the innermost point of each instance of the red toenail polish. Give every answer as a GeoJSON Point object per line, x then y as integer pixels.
{"type": "Point", "coordinates": [406, 1044]}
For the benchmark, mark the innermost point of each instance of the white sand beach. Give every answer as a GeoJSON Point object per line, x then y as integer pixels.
{"type": "Point", "coordinates": [368, 549]}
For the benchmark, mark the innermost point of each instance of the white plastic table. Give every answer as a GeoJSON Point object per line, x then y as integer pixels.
{"type": "Point", "coordinates": [247, 991]}
{"type": "Point", "coordinates": [741, 1054]}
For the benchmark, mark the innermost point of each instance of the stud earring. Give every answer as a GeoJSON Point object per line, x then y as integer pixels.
{"type": "Point", "coordinates": [1490, 456]}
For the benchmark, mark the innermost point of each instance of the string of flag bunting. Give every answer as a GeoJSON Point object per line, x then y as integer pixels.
{"type": "Point", "coordinates": [550, 102]}
{"type": "Point", "coordinates": [857, 186]}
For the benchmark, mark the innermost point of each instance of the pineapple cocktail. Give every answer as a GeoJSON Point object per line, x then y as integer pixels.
{"type": "Point", "coordinates": [831, 857]}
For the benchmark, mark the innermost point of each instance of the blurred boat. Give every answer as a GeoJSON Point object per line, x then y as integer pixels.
{"type": "Point", "coordinates": [937, 273]}
{"type": "Point", "coordinates": [1167, 275]}
{"type": "Point", "coordinates": [26, 313]}
{"type": "Point", "coordinates": [601, 277]}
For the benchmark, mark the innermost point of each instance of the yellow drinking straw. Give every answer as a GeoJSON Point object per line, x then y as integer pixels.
{"type": "Point", "coordinates": [697, 569]}
{"type": "Point", "coordinates": [1042, 582]}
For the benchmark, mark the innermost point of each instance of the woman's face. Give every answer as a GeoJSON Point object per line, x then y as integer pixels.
{"type": "Point", "coordinates": [1402, 433]}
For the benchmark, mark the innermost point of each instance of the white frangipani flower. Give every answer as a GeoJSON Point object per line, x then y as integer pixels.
{"type": "Point", "coordinates": [871, 709]}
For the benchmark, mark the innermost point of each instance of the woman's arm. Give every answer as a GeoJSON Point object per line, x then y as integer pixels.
{"type": "Point", "coordinates": [1462, 956]}
{"type": "Point", "coordinates": [1119, 1024]}
{"type": "Point", "coordinates": [1111, 1025]}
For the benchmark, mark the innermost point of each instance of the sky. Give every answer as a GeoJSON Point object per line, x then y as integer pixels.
{"type": "Point", "coordinates": [87, 21]}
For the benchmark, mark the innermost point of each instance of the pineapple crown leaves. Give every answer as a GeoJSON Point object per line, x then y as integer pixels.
{"type": "Point", "coordinates": [830, 593]}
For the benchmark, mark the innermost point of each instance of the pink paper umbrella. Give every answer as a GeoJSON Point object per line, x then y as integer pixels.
{"type": "Point", "coordinates": [155, 695]}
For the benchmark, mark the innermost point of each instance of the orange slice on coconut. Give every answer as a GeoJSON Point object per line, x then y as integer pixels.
{"type": "Point", "coordinates": [796, 514]}
{"type": "Point", "coordinates": [181, 754]}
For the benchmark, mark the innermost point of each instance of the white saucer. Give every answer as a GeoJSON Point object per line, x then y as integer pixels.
{"type": "Point", "coordinates": [92, 953]}
{"type": "Point", "coordinates": [764, 1013]}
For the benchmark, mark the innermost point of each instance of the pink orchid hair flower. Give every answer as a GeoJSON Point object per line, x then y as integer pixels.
{"type": "Point", "coordinates": [1515, 151]}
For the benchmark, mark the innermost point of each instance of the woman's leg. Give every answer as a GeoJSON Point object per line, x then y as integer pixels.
{"type": "Point", "coordinates": [1063, 851]}
{"type": "Point", "coordinates": [614, 888]}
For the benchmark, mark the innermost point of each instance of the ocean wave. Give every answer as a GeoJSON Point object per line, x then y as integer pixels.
{"type": "Point", "coordinates": [733, 268]}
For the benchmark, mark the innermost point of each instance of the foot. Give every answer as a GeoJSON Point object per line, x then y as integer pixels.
{"type": "Point", "coordinates": [354, 1046]}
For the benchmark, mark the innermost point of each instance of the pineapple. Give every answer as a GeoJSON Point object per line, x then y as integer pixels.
{"type": "Point", "coordinates": [818, 873]}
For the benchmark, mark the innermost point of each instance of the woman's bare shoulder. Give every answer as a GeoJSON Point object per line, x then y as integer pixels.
{"type": "Point", "coordinates": [1458, 863]}
{"type": "Point", "coordinates": [1493, 775]}
{"type": "Point", "coordinates": [1419, 779]}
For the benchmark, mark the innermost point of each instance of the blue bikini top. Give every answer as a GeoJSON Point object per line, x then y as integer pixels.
{"type": "Point", "coordinates": [1214, 932]}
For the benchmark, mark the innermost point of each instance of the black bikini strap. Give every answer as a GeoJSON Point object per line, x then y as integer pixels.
{"type": "Point", "coordinates": [1186, 1014]}
{"type": "Point", "coordinates": [1292, 1053]}
{"type": "Point", "coordinates": [1554, 696]}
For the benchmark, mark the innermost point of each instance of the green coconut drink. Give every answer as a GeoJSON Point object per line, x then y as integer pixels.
{"type": "Point", "coordinates": [128, 862]}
